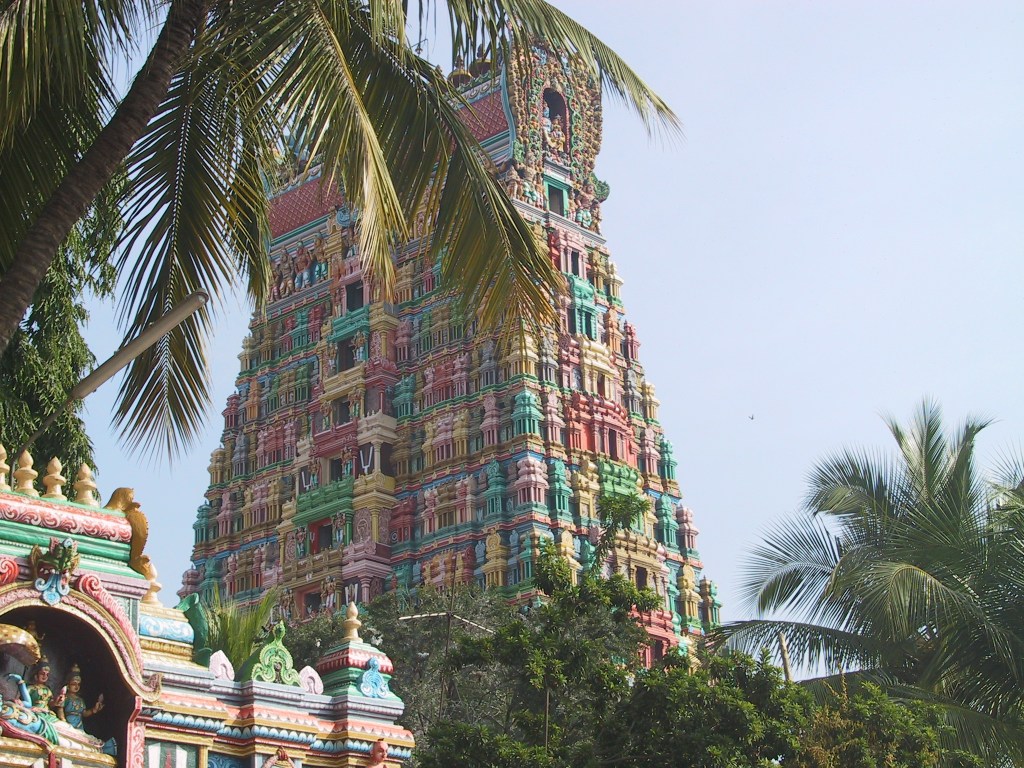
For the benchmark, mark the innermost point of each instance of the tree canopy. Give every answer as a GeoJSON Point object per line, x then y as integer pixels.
{"type": "Point", "coordinates": [906, 571]}
{"type": "Point", "coordinates": [47, 355]}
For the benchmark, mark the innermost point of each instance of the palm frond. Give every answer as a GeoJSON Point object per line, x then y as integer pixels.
{"type": "Point", "coordinates": [811, 646]}
{"type": "Point", "coordinates": [321, 98]}
{"type": "Point", "coordinates": [921, 579]}
{"type": "Point", "coordinates": [197, 200]}
{"type": "Point", "coordinates": [997, 740]}
{"type": "Point", "coordinates": [34, 161]}
{"type": "Point", "coordinates": [236, 629]}
{"type": "Point", "coordinates": [85, 33]}
{"type": "Point", "coordinates": [792, 566]}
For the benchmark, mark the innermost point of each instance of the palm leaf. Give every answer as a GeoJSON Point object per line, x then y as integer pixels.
{"type": "Point", "coordinates": [86, 34]}
{"type": "Point", "coordinates": [909, 569]}
{"type": "Point", "coordinates": [238, 629]}
{"type": "Point", "coordinates": [198, 218]}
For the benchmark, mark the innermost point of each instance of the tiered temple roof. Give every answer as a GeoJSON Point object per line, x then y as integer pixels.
{"type": "Point", "coordinates": [373, 445]}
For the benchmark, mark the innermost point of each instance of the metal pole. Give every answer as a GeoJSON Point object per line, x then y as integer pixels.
{"type": "Point", "coordinates": [150, 336]}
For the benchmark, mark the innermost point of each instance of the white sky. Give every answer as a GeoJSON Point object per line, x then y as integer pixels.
{"type": "Point", "coordinates": [838, 235]}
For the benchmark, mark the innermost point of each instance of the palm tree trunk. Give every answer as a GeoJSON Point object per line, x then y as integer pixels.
{"type": "Point", "coordinates": [100, 162]}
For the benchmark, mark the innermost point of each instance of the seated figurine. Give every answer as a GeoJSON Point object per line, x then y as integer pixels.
{"type": "Point", "coordinates": [39, 689]}
{"type": "Point", "coordinates": [20, 719]}
{"type": "Point", "coordinates": [73, 709]}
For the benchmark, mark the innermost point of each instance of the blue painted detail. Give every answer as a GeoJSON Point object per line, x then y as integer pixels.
{"type": "Point", "coordinates": [165, 629]}
{"type": "Point", "coordinates": [349, 745]}
{"type": "Point", "coordinates": [373, 683]}
{"type": "Point", "coordinates": [188, 721]}
{"type": "Point", "coordinates": [226, 761]}
{"type": "Point", "coordinates": [52, 588]}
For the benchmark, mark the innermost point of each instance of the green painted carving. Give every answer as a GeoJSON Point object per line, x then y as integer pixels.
{"type": "Point", "coordinates": [526, 414]}
{"type": "Point", "coordinates": [667, 529]}
{"type": "Point", "coordinates": [405, 390]}
{"type": "Point", "coordinates": [495, 488]}
{"type": "Point", "coordinates": [581, 289]}
{"type": "Point", "coordinates": [667, 464]}
{"type": "Point", "coordinates": [617, 478]}
{"type": "Point", "coordinates": [347, 325]}
{"type": "Point", "coordinates": [272, 663]}
{"type": "Point", "coordinates": [196, 615]}
{"type": "Point", "coordinates": [326, 501]}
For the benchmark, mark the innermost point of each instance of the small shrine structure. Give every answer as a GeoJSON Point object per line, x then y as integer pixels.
{"type": "Point", "coordinates": [95, 672]}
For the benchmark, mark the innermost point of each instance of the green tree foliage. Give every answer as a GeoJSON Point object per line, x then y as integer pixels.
{"type": "Point", "coordinates": [309, 641]}
{"type": "Point", "coordinates": [559, 682]}
{"type": "Point", "coordinates": [728, 711]}
{"type": "Point", "coordinates": [239, 630]}
{"type": "Point", "coordinates": [47, 355]}
{"type": "Point", "coordinates": [223, 85]}
{"type": "Point", "coordinates": [869, 730]}
{"type": "Point", "coordinates": [565, 659]}
{"type": "Point", "coordinates": [908, 571]}
{"type": "Point", "coordinates": [427, 649]}
{"type": "Point", "coordinates": [457, 745]}
{"type": "Point", "coordinates": [619, 512]}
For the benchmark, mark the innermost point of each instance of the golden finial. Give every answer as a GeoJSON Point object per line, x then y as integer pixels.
{"type": "Point", "coordinates": [24, 475]}
{"type": "Point", "coordinates": [351, 623]}
{"type": "Point", "coordinates": [85, 487]}
{"type": "Point", "coordinates": [54, 481]}
{"type": "Point", "coordinates": [4, 469]}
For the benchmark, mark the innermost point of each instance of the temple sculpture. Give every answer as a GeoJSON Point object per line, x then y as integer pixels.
{"type": "Point", "coordinates": [373, 445]}
{"type": "Point", "coordinates": [95, 672]}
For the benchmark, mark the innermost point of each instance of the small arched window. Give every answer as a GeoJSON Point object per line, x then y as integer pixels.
{"type": "Point", "coordinates": [555, 121]}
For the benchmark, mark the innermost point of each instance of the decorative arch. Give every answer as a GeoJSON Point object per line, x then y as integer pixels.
{"type": "Point", "coordinates": [71, 635]}
{"type": "Point", "coordinates": [89, 612]}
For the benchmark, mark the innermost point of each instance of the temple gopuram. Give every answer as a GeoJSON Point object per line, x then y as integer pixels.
{"type": "Point", "coordinates": [372, 445]}
{"type": "Point", "coordinates": [96, 673]}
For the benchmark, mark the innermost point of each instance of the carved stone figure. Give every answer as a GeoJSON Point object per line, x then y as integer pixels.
{"type": "Point", "coordinates": [378, 753]}
{"type": "Point", "coordinates": [39, 688]}
{"type": "Point", "coordinates": [74, 708]}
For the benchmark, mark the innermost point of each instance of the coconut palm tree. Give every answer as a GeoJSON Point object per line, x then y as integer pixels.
{"type": "Point", "coordinates": [198, 128]}
{"type": "Point", "coordinates": [907, 571]}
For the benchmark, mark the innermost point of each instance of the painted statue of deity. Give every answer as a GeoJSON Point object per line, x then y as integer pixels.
{"type": "Point", "coordinates": [74, 709]}
{"type": "Point", "coordinates": [378, 753]}
{"type": "Point", "coordinates": [39, 688]}
{"type": "Point", "coordinates": [20, 720]}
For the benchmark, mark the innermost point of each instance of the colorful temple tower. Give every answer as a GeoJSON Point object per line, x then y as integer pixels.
{"type": "Point", "coordinates": [373, 445]}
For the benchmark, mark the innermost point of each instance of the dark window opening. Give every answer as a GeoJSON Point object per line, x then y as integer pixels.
{"type": "Point", "coordinates": [312, 603]}
{"type": "Point", "coordinates": [556, 201]}
{"type": "Point", "coordinates": [341, 411]}
{"type": "Point", "coordinates": [555, 103]}
{"type": "Point", "coordinates": [354, 296]}
{"type": "Point", "coordinates": [345, 356]}
{"type": "Point", "coordinates": [337, 470]}
{"type": "Point", "coordinates": [324, 537]}
{"type": "Point", "coordinates": [641, 578]}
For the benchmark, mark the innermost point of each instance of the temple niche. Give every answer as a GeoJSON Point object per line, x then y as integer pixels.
{"type": "Point", "coordinates": [95, 672]}
{"type": "Point", "coordinates": [418, 449]}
